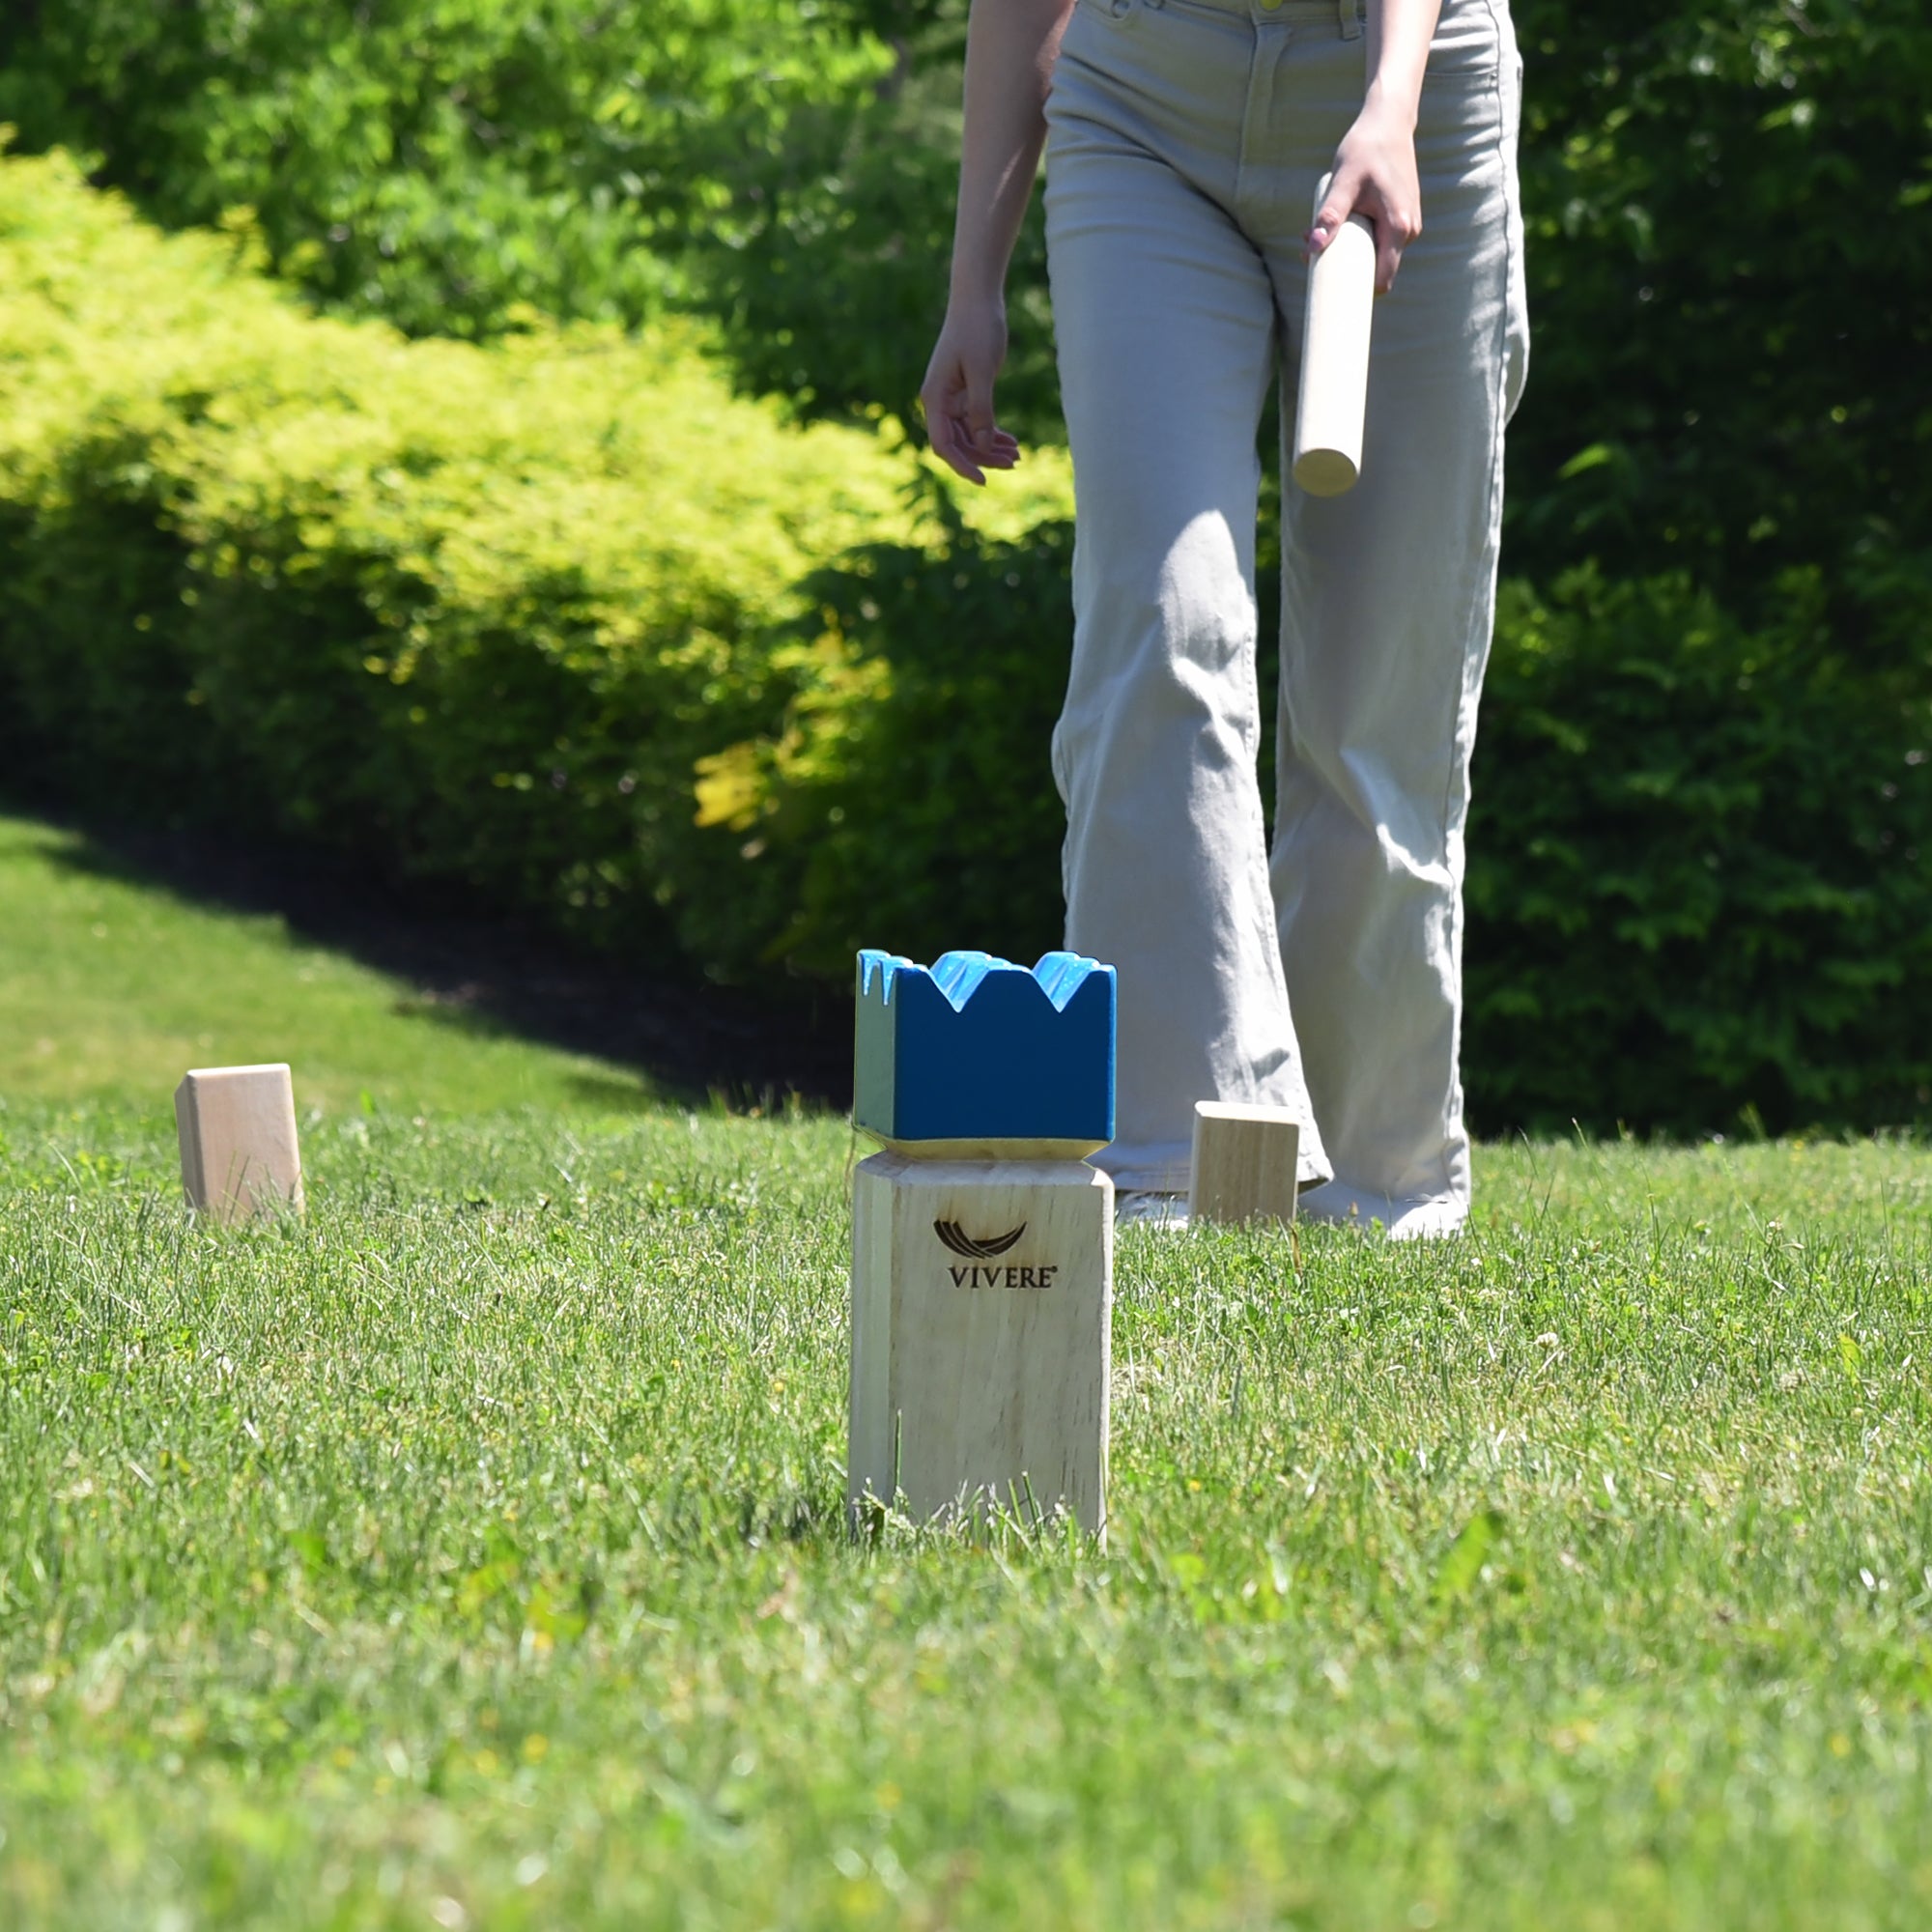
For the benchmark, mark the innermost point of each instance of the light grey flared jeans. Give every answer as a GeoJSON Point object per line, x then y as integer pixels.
{"type": "Point", "coordinates": [1186, 140]}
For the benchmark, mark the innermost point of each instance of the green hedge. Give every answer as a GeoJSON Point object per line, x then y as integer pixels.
{"type": "Point", "coordinates": [1700, 871]}
{"type": "Point", "coordinates": [905, 796]}
{"type": "Point", "coordinates": [477, 612]}
{"type": "Point", "coordinates": [1700, 864]}
{"type": "Point", "coordinates": [563, 618]}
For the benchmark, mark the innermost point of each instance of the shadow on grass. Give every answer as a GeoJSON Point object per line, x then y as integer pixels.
{"type": "Point", "coordinates": [481, 971]}
{"type": "Point", "coordinates": [613, 1095]}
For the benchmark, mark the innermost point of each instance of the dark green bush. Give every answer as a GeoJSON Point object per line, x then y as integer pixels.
{"type": "Point", "coordinates": [1698, 876]}
{"type": "Point", "coordinates": [906, 797]}
{"type": "Point", "coordinates": [1729, 206]}
{"type": "Point", "coordinates": [1700, 866]}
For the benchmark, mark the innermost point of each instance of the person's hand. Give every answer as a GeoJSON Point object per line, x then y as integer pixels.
{"type": "Point", "coordinates": [1374, 176]}
{"type": "Point", "coordinates": [957, 393]}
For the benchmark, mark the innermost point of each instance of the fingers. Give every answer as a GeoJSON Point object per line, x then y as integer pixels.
{"type": "Point", "coordinates": [950, 443]}
{"type": "Point", "coordinates": [980, 408]}
{"type": "Point", "coordinates": [1397, 224]}
{"type": "Point", "coordinates": [960, 424]}
{"type": "Point", "coordinates": [967, 452]}
{"type": "Point", "coordinates": [1393, 233]}
{"type": "Point", "coordinates": [1389, 255]}
{"type": "Point", "coordinates": [946, 426]}
{"type": "Point", "coordinates": [1343, 191]}
{"type": "Point", "coordinates": [1395, 228]}
{"type": "Point", "coordinates": [1379, 187]}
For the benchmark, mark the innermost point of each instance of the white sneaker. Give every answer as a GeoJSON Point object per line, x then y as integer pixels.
{"type": "Point", "coordinates": [1168, 1211]}
{"type": "Point", "coordinates": [1430, 1221]}
{"type": "Point", "coordinates": [1419, 1220]}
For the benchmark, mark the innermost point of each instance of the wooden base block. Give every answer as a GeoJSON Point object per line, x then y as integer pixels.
{"type": "Point", "coordinates": [981, 1298]}
{"type": "Point", "coordinates": [239, 1151]}
{"type": "Point", "coordinates": [1244, 1163]}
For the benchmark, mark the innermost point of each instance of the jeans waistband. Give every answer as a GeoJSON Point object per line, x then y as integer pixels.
{"type": "Point", "coordinates": [1347, 15]}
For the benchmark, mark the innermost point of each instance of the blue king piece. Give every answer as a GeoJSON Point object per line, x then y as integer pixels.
{"type": "Point", "coordinates": [975, 1058]}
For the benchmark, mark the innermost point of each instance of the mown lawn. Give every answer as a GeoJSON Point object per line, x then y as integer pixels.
{"type": "Point", "coordinates": [474, 1553]}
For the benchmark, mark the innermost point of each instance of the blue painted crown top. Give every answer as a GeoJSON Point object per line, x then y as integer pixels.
{"type": "Point", "coordinates": [976, 1050]}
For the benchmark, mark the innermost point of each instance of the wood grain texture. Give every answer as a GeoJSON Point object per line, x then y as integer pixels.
{"type": "Point", "coordinates": [981, 1298]}
{"type": "Point", "coordinates": [238, 1151]}
{"type": "Point", "coordinates": [1244, 1164]}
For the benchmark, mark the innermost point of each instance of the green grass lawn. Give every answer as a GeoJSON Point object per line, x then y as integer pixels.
{"type": "Point", "coordinates": [474, 1553]}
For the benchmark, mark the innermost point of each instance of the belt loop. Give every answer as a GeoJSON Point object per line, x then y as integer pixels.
{"type": "Point", "coordinates": [1350, 14]}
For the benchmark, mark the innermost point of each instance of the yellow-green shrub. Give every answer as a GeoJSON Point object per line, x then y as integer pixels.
{"type": "Point", "coordinates": [481, 610]}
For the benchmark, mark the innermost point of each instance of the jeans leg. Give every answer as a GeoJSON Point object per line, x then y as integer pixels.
{"type": "Point", "coordinates": [1389, 597]}
{"type": "Point", "coordinates": [1167, 333]}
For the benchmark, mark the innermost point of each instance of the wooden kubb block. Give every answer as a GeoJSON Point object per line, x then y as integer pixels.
{"type": "Point", "coordinates": [239, 1153]}
{"type": "Point", "coordinates": [983, 1244]}
{"type": "Point", "coordinates": [982, 1301]}
{"type": "Point", "coordinates": [1245, 1162]}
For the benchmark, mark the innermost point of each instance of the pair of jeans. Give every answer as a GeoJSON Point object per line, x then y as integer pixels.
{"type": "Point", "coordinates": [1185, 138]}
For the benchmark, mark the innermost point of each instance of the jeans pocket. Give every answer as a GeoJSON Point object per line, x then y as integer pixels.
{"type": "Point", "coordinates": [1475, 69]}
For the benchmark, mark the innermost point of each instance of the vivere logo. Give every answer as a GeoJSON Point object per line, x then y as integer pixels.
{"type": "Point", "coordinates": [1013, 1275]}
{"type": "Point", "coordinates": [961, 1242]}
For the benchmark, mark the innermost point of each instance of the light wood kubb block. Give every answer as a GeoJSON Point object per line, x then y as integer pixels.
{"type": "Point", "coordinates": [239, 1151]}
{"type": "Point", "coordinates": [1245, 1160]}
{"type": "Point", "coordinates": [1331, 401]}
{"type": "Point", "coordinates": [982, 1305]}
{"type": "Point", "coordinates": [983, 1244]}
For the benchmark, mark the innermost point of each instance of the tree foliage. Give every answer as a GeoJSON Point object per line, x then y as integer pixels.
{"type": "Point", "coordinates": [1730, 247]}
{"type": "Point", "coordinates": [787, 166]}
{"type": "Point", "coordinates": [1730, 244]}
{"type": "Point", "coordinates": [447, 165]}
